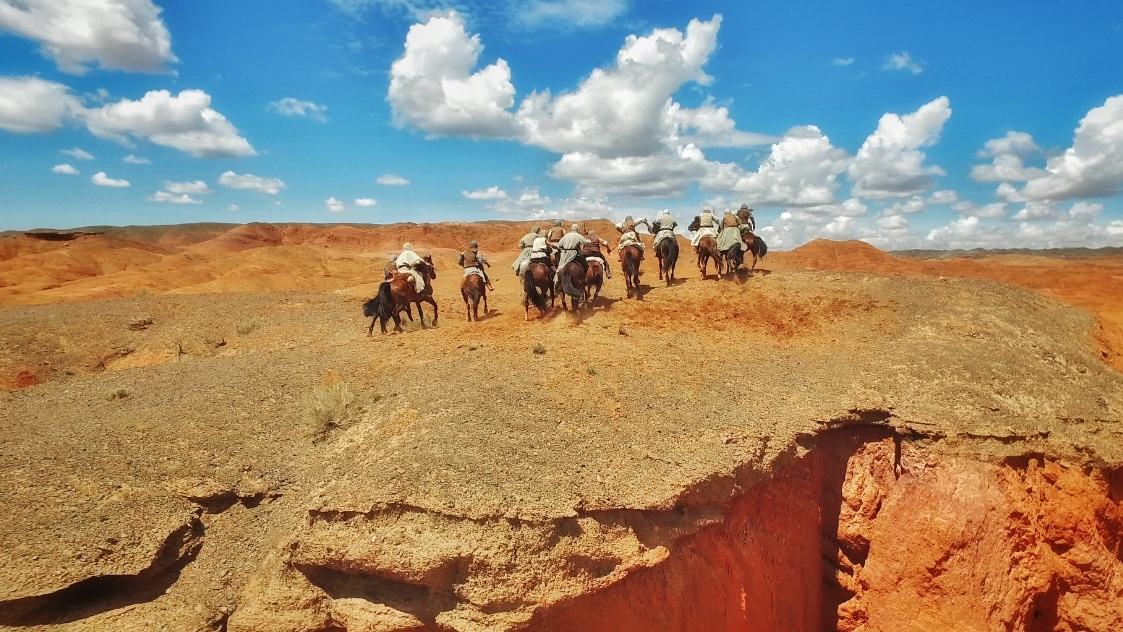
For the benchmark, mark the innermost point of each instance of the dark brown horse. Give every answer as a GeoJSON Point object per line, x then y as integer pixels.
{"type": "Point", "coordinates": [403, 292]}
{"type": "Point", "coordinates": [473, 288]}
{"type": "Point", "coordinates": [594, 279]}
{"type": "Point", "coordinates": [571, 279]}
{"type": "Point", "coordinates": [757, 247]}
{"type": "Point", "coordinates": [537, 283]}
{"type": "Point", "coordinates": [667, 253]}
{"type": "Point", "coordinates": [629, 262]}
{"type": "Point", "coordinates": [707, 251]}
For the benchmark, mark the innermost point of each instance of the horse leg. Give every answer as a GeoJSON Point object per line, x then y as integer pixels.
{"type": "Point", "coordinates": [526, 307]}
{"type": "Point", "coordinates": [436, 312]}
{"type": "Point", "coordinates": [420, 314]}
{"type": "Point", "coordinates": [370, 330]}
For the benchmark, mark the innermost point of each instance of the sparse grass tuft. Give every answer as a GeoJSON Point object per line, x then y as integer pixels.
{"type": "Point", "coordinates": [329, 406]}
{"type": "Point", "coordinates": [539, 349]}
{"type": "Point", "coordinates": [245, 327]}
{"type": "Point", "coordinates": [118, 394]}
{"type": "Point", "coordinates": [591, 370]}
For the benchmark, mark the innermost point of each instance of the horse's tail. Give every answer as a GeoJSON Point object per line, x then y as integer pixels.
{"type": "Point", "coordinates": [381, 304]}
{"type": "Point", "coordinates": [567, 284]}
{"type": "Point", "coordinates": [471, 290]}
{"type": "Point", "coordinates": [763, 248]}
{"type": "Point", "coordinates": [631, 265]}
{"type": "Point", "coordinates": [532, 290]}
{"type": "Point", "coordinates": [670, 253]}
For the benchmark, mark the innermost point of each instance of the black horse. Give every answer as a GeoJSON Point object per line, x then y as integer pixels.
{"type": "Point", "coordinates": [381, 308]}
{"type": "Point", "coordinates": [759, 249]}
{"type": "Point", "coordinates": [667, 253]}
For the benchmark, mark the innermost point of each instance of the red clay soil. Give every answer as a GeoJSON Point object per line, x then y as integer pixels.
{"type": "Point", "coordinates": [862, 534]}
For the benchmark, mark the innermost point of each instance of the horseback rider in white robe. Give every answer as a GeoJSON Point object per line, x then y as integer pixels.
{"type": "Point", "coordinates": [707, 225]}
{"type": "Point", "coordinates": [664, 226]}
{"type": "Point", "coordinates": [526, 246]}
{"type": "Point", "coordinates": [570, 245]}
{"type": "Point", "coordinates": [408, 262]}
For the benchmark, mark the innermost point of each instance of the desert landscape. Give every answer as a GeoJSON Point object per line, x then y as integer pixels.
{"type": "Point", "coordinates": [200, 435]}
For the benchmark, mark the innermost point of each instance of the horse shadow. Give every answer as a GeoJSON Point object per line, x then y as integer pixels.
{"type": "Point", "coordinates": [640, 291]}
{"type": "Point", "coordinates": [605, 303]}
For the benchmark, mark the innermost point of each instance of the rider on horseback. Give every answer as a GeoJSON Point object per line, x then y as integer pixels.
{"type": "Point", "coordinates": [628, 236]}
{"type": "Point", "coordinates": [748, 222]}
{"type": "Point", "coordinates": [730, 236]}
{"type": "Point", "coordinates": [591, 250]}
{"type": "Point", "coordinates": [526, 245]}
{"type": "Point", "coordinates": [704, 224]}
{"type": "Point", "coordinates": [474, 262]}
{"type": "Point", "coordinates": [540, 252]}
{"type": "Point", "coordinates": [570, 246]}
{"type": "Point", "coordinates": [555, 234]}
{"type": "Point", "coordinates": [409, 263]}
{"type": "Point", "coordinates": [664, 227]}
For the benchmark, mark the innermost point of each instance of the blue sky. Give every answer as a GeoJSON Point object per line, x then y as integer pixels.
{"type": "Point", "coordinates": [844, 120]}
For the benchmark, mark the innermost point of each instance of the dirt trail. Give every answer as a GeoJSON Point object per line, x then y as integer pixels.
{"type": "Point", "coordinates": [813, 448]}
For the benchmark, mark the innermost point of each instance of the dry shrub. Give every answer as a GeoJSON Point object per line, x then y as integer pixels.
{"type": "Point", "coordinates": [329, 405]}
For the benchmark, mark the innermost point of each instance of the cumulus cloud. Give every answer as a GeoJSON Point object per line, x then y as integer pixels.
{"type": "Point", "coordinates": [173, 198]}
{"type": "Point", "coordinates": [250, 182]}
{"type": "Point", "coordinates": [1041, 227]}
{"type": "Point", "coordinates": [658, 175]}
{"type": "Point", "coordinates": [333, 205]}
{"type": "Point", "coordinates": [232, 207]}
{"type": "Point", "coordinates": [136, 160]}
{"type": "Point", "coordinates": [103, 180]}
{"type": "Point", "coordinates": [842, 61]}
{"type": "Point", "coordinates": [185, 122]}
{"type": "Point", "coordinates": [943, 196]}
{"type": "Point", "coordinates": [889, 163]}
{"type": "Point", "coordinates": [366, 202]}
{"type": "Point", "coordinates": [113, 34]}
{"type": "Point", "coordinates": [34, 105]}
{"type": "Point", "coordinates": [490, 193]}
{"type": "Point", "coordinates": [433, 88]}
{"type": "Point", "coordinates": [903, 62]}
{"type": "Point", "coordinates": [566, 14]}
{"type": "Point", "coordinates": [911, 206]}
{"type": "Point", "coordinates": [1093, 165]}
{"type": "Point", "coordinates": [65, 169]}
{"type": "Point", "coordinates": [801, 170]}
{"type": "Point", "coordinates": [77, 152]}
{"type": "Point", "coordinates": [986, 211]}
{"type": "Point", "coordinates": [528, 203]}
{"type": "Point", "coordinates": [193, 187]}
{"type": "Point", "coordinates": [391, 180]}
{"type": "Point", "coordinates": [290, 106]}
{"type": "Point", "coordinates": [1007, 154]}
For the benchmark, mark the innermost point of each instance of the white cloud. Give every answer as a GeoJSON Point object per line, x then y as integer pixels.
{"type": "Point", "coordinates": [103, 180]}
{"type": "Point", "coordinates": [250, 182]}
{"type": "Point", "coordinates": [490, 193]}
{"type": "Point", "coordinates": [902, 61]}
{"type": "Point", "coordinates": [232, 207]}
{"type": "Point", "coordinates": [528, 203]}
{"type": "Point", "coordinates": [391, 180]}
{"type": "Point", "coordinates": [433, 88]}
{"type": "Point", "coordinates": [842, 61]}
{"type": "Point", "coordinates": [1093, 165]}
{"type": "Point", "coordinates": [334, 206]}
{"type": "Point", "coordinates": [193, 187]}
{"type": "Point", "coordinates": [801, 170]}
{"type": "Point", "coordinates": [65, 169]}
{"type": "Point", "coordinates": [366, 202]}
{"type": "Point", "coordinates": [943, 196]}
{"type": "Point", "coordinates": [114, 34]}
{"type": "Point", "coordinates": [1064, 230]}
{"type": "Point", "coordinates": [290, 106]}
{"type": "Point", "coordinates": [626, 109]}
{"type": "Point", "coordinates": [657, 175]}
{"type": "Point", "coordinates": [911, 206]}
{"type": "Point", "coordinates": [562, 14]}
{"type": "Point", "coordinates": [1007, 154]}
{"type": "Point", "coordinates": [77, 152]}
{"type": "Point", "coordinates": [987, 211]}
{"type": "Point", "coordinates": [136, 160]}
{"type": "Point", "coordinates": [711, 126]}
{"type": "Point", "coordinates": [889, 162]}
{"type": "Point", "coordinates": [185, 122]}
{"type": "Point", "coordinates": [1085, 209]}
{"type": "Point", "coordinates": [172, 198]}
{"type": "Point", "coordinates": [31, 104]}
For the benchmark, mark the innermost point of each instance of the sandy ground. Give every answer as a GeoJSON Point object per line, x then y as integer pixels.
{"type": "Point", "coordinates": [167, 461]}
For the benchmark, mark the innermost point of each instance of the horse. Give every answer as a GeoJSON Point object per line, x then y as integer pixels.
{"type": "Point", "coordinates": [629, 262]}
{"type": "Point", "coordinates": [571, 280]}
{"type": "Point", "coordinates": [707, 251]}
{"type": "Point", "coordinates": [667, 253]}
{"type": "Point", "coordinates": [594, 279]}
{"type": "Point", "coordinates": [734, 258]}
{"type": "Point", "coordinates": [403, 292]}
{"type": "Point", "coordinates": [473, 288]}
{"type": "Point", "coordinates": [759, 249]}
{"type": "Point", "coordinates": [537, 282]}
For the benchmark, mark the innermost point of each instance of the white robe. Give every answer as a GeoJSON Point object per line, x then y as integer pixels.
{"type": "Point", "coordinates": [405, 263]}
{"type": "Point", "coordinates": [702, 231]}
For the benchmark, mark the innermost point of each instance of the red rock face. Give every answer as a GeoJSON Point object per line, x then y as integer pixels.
{"type": "Point", "coordinates": [864, 534]}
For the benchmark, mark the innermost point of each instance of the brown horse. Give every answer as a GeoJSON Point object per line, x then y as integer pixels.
{"type": "Point", "coordinates": [473, 288]}
{"type": "Point", "coordinates": [403, 292]}
{"type": "Point", "coordinates": [537, 283]}
{"type": "Point", "coordinates": [667, 254]}
{"type": "Point", "coordinates": [629, 261]}
{"type": "Point", "coordinates": [594, 279]}
{"type": "Point", "coordinates": [707, 251]}
{"type": "Point", "coordinates": [571, 279]}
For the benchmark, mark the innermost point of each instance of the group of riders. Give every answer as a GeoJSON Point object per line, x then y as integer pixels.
{"type": "Point", "coordinates": [553, 251]}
